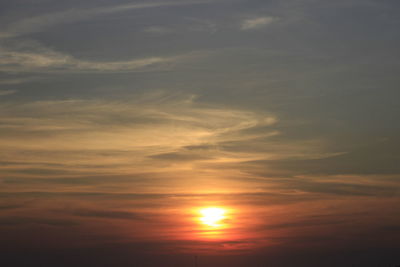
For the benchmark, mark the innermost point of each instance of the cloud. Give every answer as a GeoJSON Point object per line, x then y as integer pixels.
{"type": "Point", "coordinates": [111, 214]}
{"type": "Point", "coordinates": [257, 23]}
{"type": "Point", "coordinates": [20, 55]}
{"type": "Point", "coordinates": [354, 187]}
{"type": "Point", "coordinates": [12, 81]}
{"type": "Point", "coordinates": [148, 134]}
{"type": "Point", "coordinates": [13, 221]}
{"type": "Point", "coordinates": [188, 25]}
{"type": "Point", "coordinates": [35, 58]}
{"type": "Point", "coordinates": [10, 206]}
{"type": "Point", "coordinates": [158, 30]}
{"type": "Point", "coordinates": [7, 92]}
{"type": "Point", "coordinates": [179, 156]}
{"type": "Point", "coordinates": [376, 158]}
{"type": "Point", "coordinates": [157, 140]}
{"type": "Point", "coordinates": [41, 22]}
{"type": "Point", "coordinates": [153, 119]}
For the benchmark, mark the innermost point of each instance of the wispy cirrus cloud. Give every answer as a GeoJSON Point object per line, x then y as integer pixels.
{"type": "Point", "coordinates": [28, 56]}
{"type": "Point", "coordinates": [7, 92]}
{"type": "Point", "coordinates": [141, 115]}
{"type": "Point", "coordinates": [150, 134]}
{"type": "Point", "coordinates": [41, 22]}
{"type": "Point", "coordinates": [144, 140]}
{"type": "Point", "coordinates": [257, 23]}
{"type": "Point", "coordinates": [18, 80]}
{"type": "Point", "coordinates": [190, 25]}
{"type": "Point", "coordinates": [36, 58]}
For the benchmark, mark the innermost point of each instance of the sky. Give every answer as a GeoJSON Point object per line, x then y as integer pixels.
{"type": "Point", "coordinates": [121, 121]}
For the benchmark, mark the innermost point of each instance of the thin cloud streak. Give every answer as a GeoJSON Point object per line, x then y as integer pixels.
{"type": "Point", "coordinates": [39, 59]}
{"type": "Point", "coordinates": [41, 22]}
{"type": "Point", "coordinates": [257, 23]}
{"type": "Point", "coordinates": [7, 92]}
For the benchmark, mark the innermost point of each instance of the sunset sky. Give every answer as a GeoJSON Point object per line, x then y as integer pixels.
{"type": "Point", "coordinates": [219, 132]}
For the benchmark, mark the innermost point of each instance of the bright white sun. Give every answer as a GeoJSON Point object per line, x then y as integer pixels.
{"type": "Point", "coordinates": [212, 216]}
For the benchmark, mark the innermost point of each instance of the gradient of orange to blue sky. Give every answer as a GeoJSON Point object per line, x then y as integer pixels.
{"type": "Point", "coordinates": [209, 132]}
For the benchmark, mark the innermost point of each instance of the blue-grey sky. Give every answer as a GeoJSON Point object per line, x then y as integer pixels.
{"type": "Point", "coordinates": [117, 114]}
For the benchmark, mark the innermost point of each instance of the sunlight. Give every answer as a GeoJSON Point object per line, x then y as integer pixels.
{"type": "Point", "coordinates": [212, 216]}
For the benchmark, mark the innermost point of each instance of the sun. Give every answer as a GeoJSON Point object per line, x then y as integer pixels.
{"type": "Point", "coordinates": [212, 216]}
